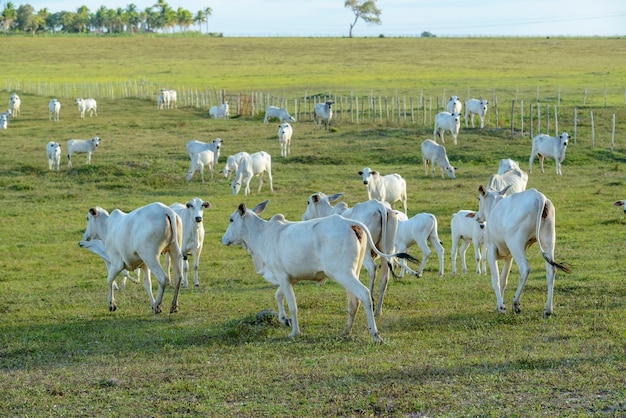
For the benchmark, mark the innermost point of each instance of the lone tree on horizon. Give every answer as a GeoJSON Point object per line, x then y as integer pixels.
{"type": "Point", "coordinates": [365, 10]}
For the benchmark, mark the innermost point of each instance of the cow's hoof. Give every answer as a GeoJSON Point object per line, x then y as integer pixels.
{"type": "Point", "coordinates": [501, 309]}
{"type": "Point", "coordinates": [174, 309]}
{"type": "Point", "coordinates": [112, 307]}
{"type": "Point", "coordinates": [547, 314]}
{"type": "Point", "coordinates": [157, 310]}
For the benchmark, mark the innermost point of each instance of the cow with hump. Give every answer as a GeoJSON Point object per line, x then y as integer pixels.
{"type": "Point", "coordinates": [285, 253]}
{"type": "Point", "coordinates": [137, 239]}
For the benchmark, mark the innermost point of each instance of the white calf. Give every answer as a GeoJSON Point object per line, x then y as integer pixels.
{"type": "Point", "coordinates": [194, 147]}
{"type": "Point", "coordinates": [436, 154]}
{"type": "Point", "coordinates": [79, 146]}
{"type": "Point", "coordinates": [232, 162]}
{"type": "Point", "coordinates": [509, 174]}
{"type": "Point", "coordinates": [454, 105]}
{"type": "Point", "coordinates": [390, 188]}
{"type": "Point", "coordinates": [250, 166]}
{"type": "Point", "coordinates": [54, 110]}
{"type": "Point", "coordinates": [96, 246]}
{"type": "Point", "coordinates": [199, 161]}
{"type": "Point", "coordinates": [467, 230]}
{"type": "Point", "coordinates": [191, 214]}
{"type": "Point", "coordinates": [277, 112]}
{"type": "Point", "coordinates": [551, 147]}
{"type": "Point", "coordinates": [420, 229]}
{"type": "Point", "coordinates": [53, 152]}
{"type": "Point", "coordinates": [513, 223]}
{"type": "Point", "coordinates": [14, 105]}
{"type": "Point", "coordinates": [323, 113]}
{"type": "Point", "coordinates": [89, 105]}
{"type": "Point", "coordinates": [136, 239]}
{"type": "Point", "coordinates": [476, 107]}
{"type": "Point", "coordinates": [287, 252]}
{"type": "Point", "coordinates": [220, 112]}
{"type": "Point", "coordinates": [446, 121]}
{"type": "Point", "coordinates": [285, 131]}
{"type": "Point", "coordinates": [4, 121]}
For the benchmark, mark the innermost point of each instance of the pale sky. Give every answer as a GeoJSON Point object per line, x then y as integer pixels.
{"type": "Point", "coordinates": [399, 17]}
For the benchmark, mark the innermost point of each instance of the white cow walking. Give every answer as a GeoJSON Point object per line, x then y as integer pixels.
{"type": "Point", "coordinates": [136, 239]}
{"type": "Point", "coordinates": [446, 121]}
{"type": "Point", "coordinates": [420, 229]}
{"type": "Point", "coordinates": [277, 112]}
{"type": "Point", "coordinates": [390, 188]}
{"type": "Point", "coordinates": [251, 166]}
{"type": "Point", "coordinates": [436, 154]}
{"type": "Point", "coordinates": [89, 105]}
{"type": "Point", "coordinates": [194, 147]}
{"type": "Point", "coordinates": [285, 131]}
{"type": "Point", "coordinates": [76, 146]}
{"type": "Point", "coordinates": [465, 229]}
{"type": "Point", "coordinates": [53, 152]}
{"type": "Point", "coordinates": [513, 224]}
{"type": "Point", "coordinates": [476, 107]}
{"type": "Point", "coordinates": [286, 252]}
{"type": "Point", "coordinates": [14, 104]}
{"type": "Point", "coordinates": [232, 162]}
{"type": "Point", "coordinates": [54, 110]}
{"type": "Point", "coordinates": [199, 161]}
{"type": "Point", "coordinates": [551, 147]}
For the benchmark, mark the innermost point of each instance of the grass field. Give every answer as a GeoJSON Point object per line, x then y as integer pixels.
{"type": "Point", "coordinates": [446, 351]}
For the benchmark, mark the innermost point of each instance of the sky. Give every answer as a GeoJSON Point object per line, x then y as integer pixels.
{"type": "Point", "coordinates": [399, 17]}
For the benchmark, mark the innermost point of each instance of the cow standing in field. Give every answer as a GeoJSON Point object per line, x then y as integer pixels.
{"type": "Point", "coordinates": [436, 154]}
{"type": "Point", "coordinates": [14, 105]}
{"type": "Point", "coordinates": [54, 110]}
{"type": "Point", "coordinates": [420, 229]}
{"type": "Point", "coordinates": [323, 113]}
{"type": "Point", "coordinates": [220, 112]}
{"type": "Point", "coordinates": [87, 105]}
{"type": "Point", "coordinates": [75, 146]}
{"type": "Point", "coordinates": [251, 166]}
{"type": "Point", "coordinates": [194, 147]}
{"type": "Point", "coordinates": [199, 161]}
{"type": "Point", "coordinates": [476, 107]}
{"type": "Point", "coordinates": [551, 147]}
{"type": "Point", "coordinates": [53, 152]}
{"type": "Point", "coordinates": [285, 131]}
{"type": "Point", "coordinates": [513, 224]}
{"type": "Point", "coordinates": [277, 112]}
{"type": "Point", "coordinates": [446, 121]}
{"type": "Point", "coordinates": [137, 239]}
{"type": "Point", "coordinates": [466, 230]}
{"type": "Point", "coordinates": [390, 188]}
{"type": "Point", "coordinates": [509, 174]}
{"type": "Point", "coordinates": [232, 163]}
{"type": "Point", "coordinates": [454, 105]}
{"type": "Point", "coordinates": [286, 252]}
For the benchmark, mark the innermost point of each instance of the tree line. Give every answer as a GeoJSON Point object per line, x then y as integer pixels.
{"type": "Point", "coordinates": [159, 17]}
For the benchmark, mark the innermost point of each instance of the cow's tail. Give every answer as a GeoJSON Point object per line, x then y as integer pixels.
{"type": "Point", "coordinates": [543, 211]}
{"type": "Point", "coordinates": [388, 257]}
{"type": "Point", "coordinates": [171, 217]}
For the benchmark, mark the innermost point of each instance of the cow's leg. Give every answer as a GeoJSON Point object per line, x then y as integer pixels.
{"type": "Point", "coordinates": [111, 275]}
{"type": "Point", "coordinates": [353, 306]}
{"type": "Point", "coordinates": [558, 165]}
{"type": "Point", "coordinates": [370, 267]}
{"type": "Point", "coordinates": [384, 276]}
{"type": "Point", "coordinates": [434, 241]}
{"type": "Point", "coordinates": [260, 182]}
{"type": "Point", "coordinates": [453, 253]}
{"type": "Point", "coordinates": [152, 262]}
{"type": "Point", "coordinates": [357, 290]}
{"type": "Point", "coordinates": [423, 246]}
{"type": "Point", "coordinates": [269, 179]}
{"type": "Point", "coordinates": [290, 296]}
{"type": "Point", "coordinates": [463, 251]}
{"type": "Point", "coordinates": [280, 301]}
{"type": "Point", "coordinates": [524, 270]}
{"type": "Point", "coordinates": [196, 264]}
{"type": "Point", "coordinates": [550, 276]}
{"type": "Point", "coordinates": [147, 284]}
{"type": "Point", "coordinates": [479, 257]}
{"type": "Point", "coordinates": [541, 162]}
{"type": "Point", "coordinates": [88, 158]}
{"type": "Point", "coordinates": [177, 264]}
{"type": "Point", "coordinates": [495, 279]}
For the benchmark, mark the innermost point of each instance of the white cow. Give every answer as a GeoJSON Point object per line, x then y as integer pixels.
{"type": "Point", "coordinates": [285, 131]}
{"type": "Point", "coordinates": [514, 223]}
{"type": "Point", "coordinates": [199, 161]}
{"type": "Point", "coordinates": [323, 113]}
{"type": "Point", "coordinates": [232, 162]}
{"type": "Point", "coordinates": [220, 112]}
{"type": "Point", "coordinates": [277, 112]}
{"type": "Point", "coordinates": [167, 99]}
{"type": "Point", "coordinates": [250, 166]}
{"type": "Point", "coordinates": [476, 107]}
{"type": "Point", "coordinates": [436, 154]}
{"type": "Point", "coordinates": [79, 146]}
{"type": "Point", "coordinates": [509, 174]}
{"type": "Point", "coordinates": [286, 252]}
{"type": "Point", "coordinates": [390, 188]}
{"type": "Point", "coordinates": [551, 147]}
{"type": "Point", "coordinates": [89, 105]}
{"type": "Point", "coordinates": [191, 214]}
{"type": "Point", "coordinates": [467, 230]}
{"type": "Point", "coordinates": [96, 246]}
{"type": "Point", "coordinates": [621, 204]}
{"type": "Point", "coordinates": [136, 239]}
{"type": "Point", "coordinates": [194, 147]}
{"type": "Point", "coordinates": [4, 121]}
{"type": "Point", "coordinates": [54, 110]}
{"type": "Point", "coordinates": [53, 152]}
{"type": "Point", "coordinates": [380, 220]}
{"type": "Point", "coordinates": [14, 105]}
{"type": "Point", "coordinates": [446, 121]}
{"type": "Point", "coordinates": [420, 229]}
{"type": "Point", "coordinates": [454, 105]}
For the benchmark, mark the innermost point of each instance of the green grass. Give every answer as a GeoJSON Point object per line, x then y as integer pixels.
{"type": "Point", "coordinates": [446, 352]}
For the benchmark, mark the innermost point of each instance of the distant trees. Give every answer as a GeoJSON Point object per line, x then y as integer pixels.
{"type": "Point", "coordinates": [159, 17]}
{"type": "Point", "coordinates": [365, 10]}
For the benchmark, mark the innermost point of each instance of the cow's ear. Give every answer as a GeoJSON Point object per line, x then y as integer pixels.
{"type": "Point", "coordinates": [471, 215]}
{"type": "Point", "coordinates": [206, 205]}
{"type": "Point", "coordinates": [360, 173]}
{"type": "Point", "coordinates": [241, 209]}
{"type": "Point", "coordinates": [258, 209]}
{"type": "Point", "coordinates": [619, 203]}
{"type": "Point", "coordinates": [374, 172]}
{"type": "Point", "coordinates": [481, 190]}
{"type": "Point", "coordinates": [93, 212]}
{"type": "Point", "coordinates": [315, 197]}
{"type": "Point", "coordinates": [334, 197]}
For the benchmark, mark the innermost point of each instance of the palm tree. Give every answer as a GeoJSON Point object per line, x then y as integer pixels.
{"type": "Point", "coordinates": [184, 18]}
{"type": "Point", "coordinates": [199, 19]}
{"type": "Point", "coordinates": [9, 14]}
{"type": "Point", "coordinates": [207, 12]}
{"type": "Point", "coordinates": [132, 17]}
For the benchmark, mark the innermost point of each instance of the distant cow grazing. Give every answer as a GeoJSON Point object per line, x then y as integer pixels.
{"type": "Point", "coordinates": [191, 215]}
{"type": "Point", "coordinates": [277, 112]}
{"type": "Point", "coordinates": [81, 146]}
{"type": "Point", "coordinates": [436, 154]}
{"type": "Point", "coordinates": [88, 105]}
{"type": "Point", "coordinates": [323, 113]}
{"type": "Point", "coordinates": [220, 112]}
{"type": "Point", "coordinates": [14, 105]}
{"type": "Point", "coordinates": [285, 131]}
{"type": "Point", "coordinates": [54, 110]}
{"type": "Point", "coordinates": [509, 174]}
{"type": "Point", "coordinates": [53, 152]}
{"type": "Point", "coordinates": [251, 166]}
{"type": "Point", "coordinates": [194, 147]}
{"type": "Point", "coordinates": [551, 147]}
{"type": "Point", "coordinates": [514, 223]}
{"type": "Point", "coordinates": [137, 239]}
{"type": "Point", "coordinates": [454, 105]}
{"type": "Point", "coordinates": [286, 252]}
{"type": "Point", "coordinates": [198, 162]}
{"type": "Point", "coordinates": [232, 162]}
{"type": "Point", "coordinates": [446, 121]}
{"type": "Point", "coordinates": [476, 107]}
{"type": "Point", "coordinates": [390, 188]}
{"type": "Point", "coordinates": [420, 229]}
{"type": "Point", "coordinates": [466, 230]}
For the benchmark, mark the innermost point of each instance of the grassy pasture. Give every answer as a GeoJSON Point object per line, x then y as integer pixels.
{"type": "Point", "coordinates": [446, 352]}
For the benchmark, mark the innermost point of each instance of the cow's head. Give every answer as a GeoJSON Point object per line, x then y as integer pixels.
{"type": "Point", "coordinates": [96, 224]}
{"type": "Point", "coordinates": [95, 141]}
{"type": "Point", "coordinates": [236, 233]}
{"type": "Point", "coordinates": [196, 206]}
{"type": "Point", "coordinates": [564, 139]}
{"type": "Point", "coordinates": [366, 173]}
{"type": "Point", "coordinates": [318, 205]}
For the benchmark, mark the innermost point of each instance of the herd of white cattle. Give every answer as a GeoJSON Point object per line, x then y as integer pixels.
{"type": "Point", "coordinates": [330, 241]}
